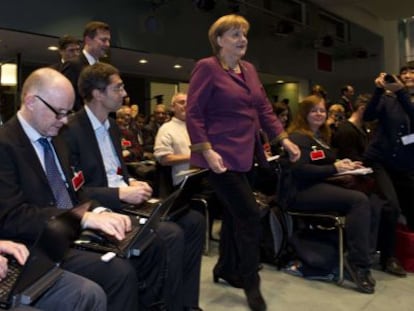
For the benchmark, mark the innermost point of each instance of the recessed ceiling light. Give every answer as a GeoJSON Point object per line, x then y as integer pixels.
{"type": "Point", "coordinates": [177, 66]}
{"type": "Point", "coordinates": [280, 81]}
{"type": "Point", "coordinates": [53, 48]}
{"type": "Point", "coordinates": [143, 61]}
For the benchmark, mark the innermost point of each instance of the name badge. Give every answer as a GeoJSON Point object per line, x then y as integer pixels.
{"type": "Point", "coordinates": [407, 139]}
{"type": "Point", "coordinates": [78, 180]}
{"type": "Point", "coordinates": [317, 155]}
{"type": "Point", "coordinates": [119, 171]}
{"type": "Point", "coordinates": [126, 143]}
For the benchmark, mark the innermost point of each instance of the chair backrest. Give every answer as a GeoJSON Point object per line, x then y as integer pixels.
{"type": "Point", "coordinates": [164, 184]}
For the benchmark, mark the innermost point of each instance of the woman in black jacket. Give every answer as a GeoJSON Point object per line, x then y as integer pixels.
{"type": "Point", "coordinates": [391, 153]}
{"type": "Point", "coordinates": [314, 193]}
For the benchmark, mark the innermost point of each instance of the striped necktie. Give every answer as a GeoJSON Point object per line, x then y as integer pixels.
{"type": "Point", "coordinates": [56, 183]}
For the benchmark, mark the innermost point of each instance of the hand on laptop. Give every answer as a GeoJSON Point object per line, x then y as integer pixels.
{"type": "Point", "coordinates": [17, 250]}
{"type": "Point", "coordinates": [136, 193]}
{"type": "Point", "coordinates": [113, 224]}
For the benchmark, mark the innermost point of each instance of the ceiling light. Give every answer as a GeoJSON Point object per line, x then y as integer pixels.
{"type": "Point", "coordinates": [143, 61]}
{"type": "Point", "coordinates": [280, 81]}
{"type": "Point", "coordinates": [177, 66]}
{"type": "Point", "coordinates": [53, 48]}
{"type": "Point", "coordinates": [8, 74]}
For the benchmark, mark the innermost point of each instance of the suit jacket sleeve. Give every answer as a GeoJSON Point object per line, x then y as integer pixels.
{"type": "Point", "coordinates": [86, 157]}
{"type": "Point", "coordinates": [26, 200]}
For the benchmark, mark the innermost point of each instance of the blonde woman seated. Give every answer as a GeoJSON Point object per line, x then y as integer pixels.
{"type": "Point", "coordinates": [317, 162]}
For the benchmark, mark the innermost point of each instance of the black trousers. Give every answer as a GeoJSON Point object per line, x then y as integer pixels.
{"type": "Point", "coordinates": [360, 227]}
{"type": "Point", "coordinates": [117, 277]}
{"type": "Point", "coordinates": [240, 235]}
{"type": "Point", "coordinates": [130, 284]}
{"type": "Point", "coordinates": [184, 241]}
{"type": "Point", "coordinates": [397, 187]}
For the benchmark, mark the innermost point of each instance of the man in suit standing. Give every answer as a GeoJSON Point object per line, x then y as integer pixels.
{"type": "Point", "coordinates": [28, 196]}
{"type": "Point", "coordinates": [69, 49]}
{"type": "Point", "coordinates": [96, 40]}
{"type": "Point", "coordinates": [95, 145]}
{"type": "Point", "coordinates": [347, 94]}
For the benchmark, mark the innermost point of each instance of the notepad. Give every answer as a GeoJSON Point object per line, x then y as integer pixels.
{"type": "Point", "coordinates": [358, 171]}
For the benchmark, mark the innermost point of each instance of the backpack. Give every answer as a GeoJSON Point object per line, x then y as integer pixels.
{"type": "Point", "coordinates": [276, 231]}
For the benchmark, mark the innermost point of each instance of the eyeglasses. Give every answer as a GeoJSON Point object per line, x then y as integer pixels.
{"type": "Point", "coordinates": [59, 115]}
{"type": "Point", "coordinates": [118, 88]}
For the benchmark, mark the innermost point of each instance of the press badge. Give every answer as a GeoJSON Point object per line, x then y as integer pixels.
{"type": "Point", "coordinates": [126, 143]}
{"type": "Point", "coordinates": [317, 155]}
{"type": "Point", "coordinates": [78, 180]}
{"type": "Point", "coordinates": [407, 139]}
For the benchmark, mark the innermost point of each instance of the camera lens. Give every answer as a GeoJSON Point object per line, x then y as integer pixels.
{"type": "Point", "coordinates": [389, 78]}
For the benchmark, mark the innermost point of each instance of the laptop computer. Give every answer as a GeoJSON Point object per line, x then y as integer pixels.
{"type": "Point", "coordinates": [24, 284]}
{"type": "Point", "coordinates": [189, 186]}
{"type": "Point", "coordinates": [136, 240]}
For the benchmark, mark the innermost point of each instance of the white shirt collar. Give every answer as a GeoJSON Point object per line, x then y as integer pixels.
{"type": "Point", "coordinates": [31, 133]}
{"type": "Point", "coordinates": [91, 60]}
{"type": "Point", "coordinates": [94, 120]}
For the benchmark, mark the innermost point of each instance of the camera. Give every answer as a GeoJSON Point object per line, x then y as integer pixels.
{"type": "Point", "coordinates": [389, 78]}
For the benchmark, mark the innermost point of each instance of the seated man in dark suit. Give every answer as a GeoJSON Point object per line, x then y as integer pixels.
{"type": "Point", "coordinates": [96, 40]}
{"type": "Point", "coordinates": [36, 183]}
{"type": "Point", "coordinates": [70, 293]}
{"type": "Point", "coordinates": [95, 145]}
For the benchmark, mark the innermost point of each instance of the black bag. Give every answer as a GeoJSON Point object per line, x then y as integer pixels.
{"type": "Point", "coordinates": [317, 251]}
{"type": "Point", "coordinates": [276, 231]}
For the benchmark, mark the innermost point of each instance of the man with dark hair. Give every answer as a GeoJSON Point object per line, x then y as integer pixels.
{"type": "Point", "coordinates": [69, 49]}
{"type": "Point", "coordinates": [96, 40]}
{"type": "Point", "coordinates": [347, 94]}
{"type": "Point", "coordinates": [94, 141]}
{"type": "Point", "coordinates": [351, 137]}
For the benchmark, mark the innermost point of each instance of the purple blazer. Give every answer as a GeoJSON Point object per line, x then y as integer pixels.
{"type": "Point", "coordinates": [227, 111]}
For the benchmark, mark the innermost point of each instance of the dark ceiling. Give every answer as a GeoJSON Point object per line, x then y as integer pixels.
{"type": "Point", "coordinates": [33, 48]}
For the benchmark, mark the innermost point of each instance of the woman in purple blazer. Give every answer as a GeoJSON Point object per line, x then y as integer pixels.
{"type": "Point", "coordinates": [226, 108]}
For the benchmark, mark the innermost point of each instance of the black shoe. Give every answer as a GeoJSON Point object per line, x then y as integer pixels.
{"type": "Point", "coordinates": [253, 294]}
{"type": "Point", "coordinates": [360, 278]}
{"type": "Point", "coordinates": [393, 266]}
{"type": "Point", "coordinates": [370, 278]}
{"type": "Point", "coordinates": [158, 306]}
{"type": "Point", "coordinates": [232, 280]}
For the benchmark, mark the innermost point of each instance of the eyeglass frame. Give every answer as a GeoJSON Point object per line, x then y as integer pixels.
{"type": "Point", "coordinates": [58, 115]}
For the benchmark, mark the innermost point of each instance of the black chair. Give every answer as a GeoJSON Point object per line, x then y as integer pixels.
{"type": "Point", "coordinates": [200, 201]}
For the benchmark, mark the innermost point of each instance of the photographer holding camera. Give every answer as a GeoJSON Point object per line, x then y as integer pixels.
{"type": "Point", "coordinates": [336, 115]}
{"type": "Point", "coordinates": [390, 153]}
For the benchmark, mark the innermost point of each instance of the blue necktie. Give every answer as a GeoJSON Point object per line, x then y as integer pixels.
{"type": "Point", "coordinates": [56, 183]}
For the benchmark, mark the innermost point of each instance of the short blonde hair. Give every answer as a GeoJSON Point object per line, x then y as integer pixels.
{"type": "Point", "coordinates": [336, 108]}
{"type": "Point", "coordinates": [223, 24]}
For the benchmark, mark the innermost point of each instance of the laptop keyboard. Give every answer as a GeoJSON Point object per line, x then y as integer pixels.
{"type": "Point", "coordinates": [6, 285]}
{"type": "Point", "coordinates": [144, 209]}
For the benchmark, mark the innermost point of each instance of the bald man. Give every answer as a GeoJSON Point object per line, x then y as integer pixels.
{"type": "Point", "coordinates": [28, 198]}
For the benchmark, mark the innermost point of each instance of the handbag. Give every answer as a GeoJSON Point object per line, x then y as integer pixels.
{"type": "Point", "coordinates": [363, 183]}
